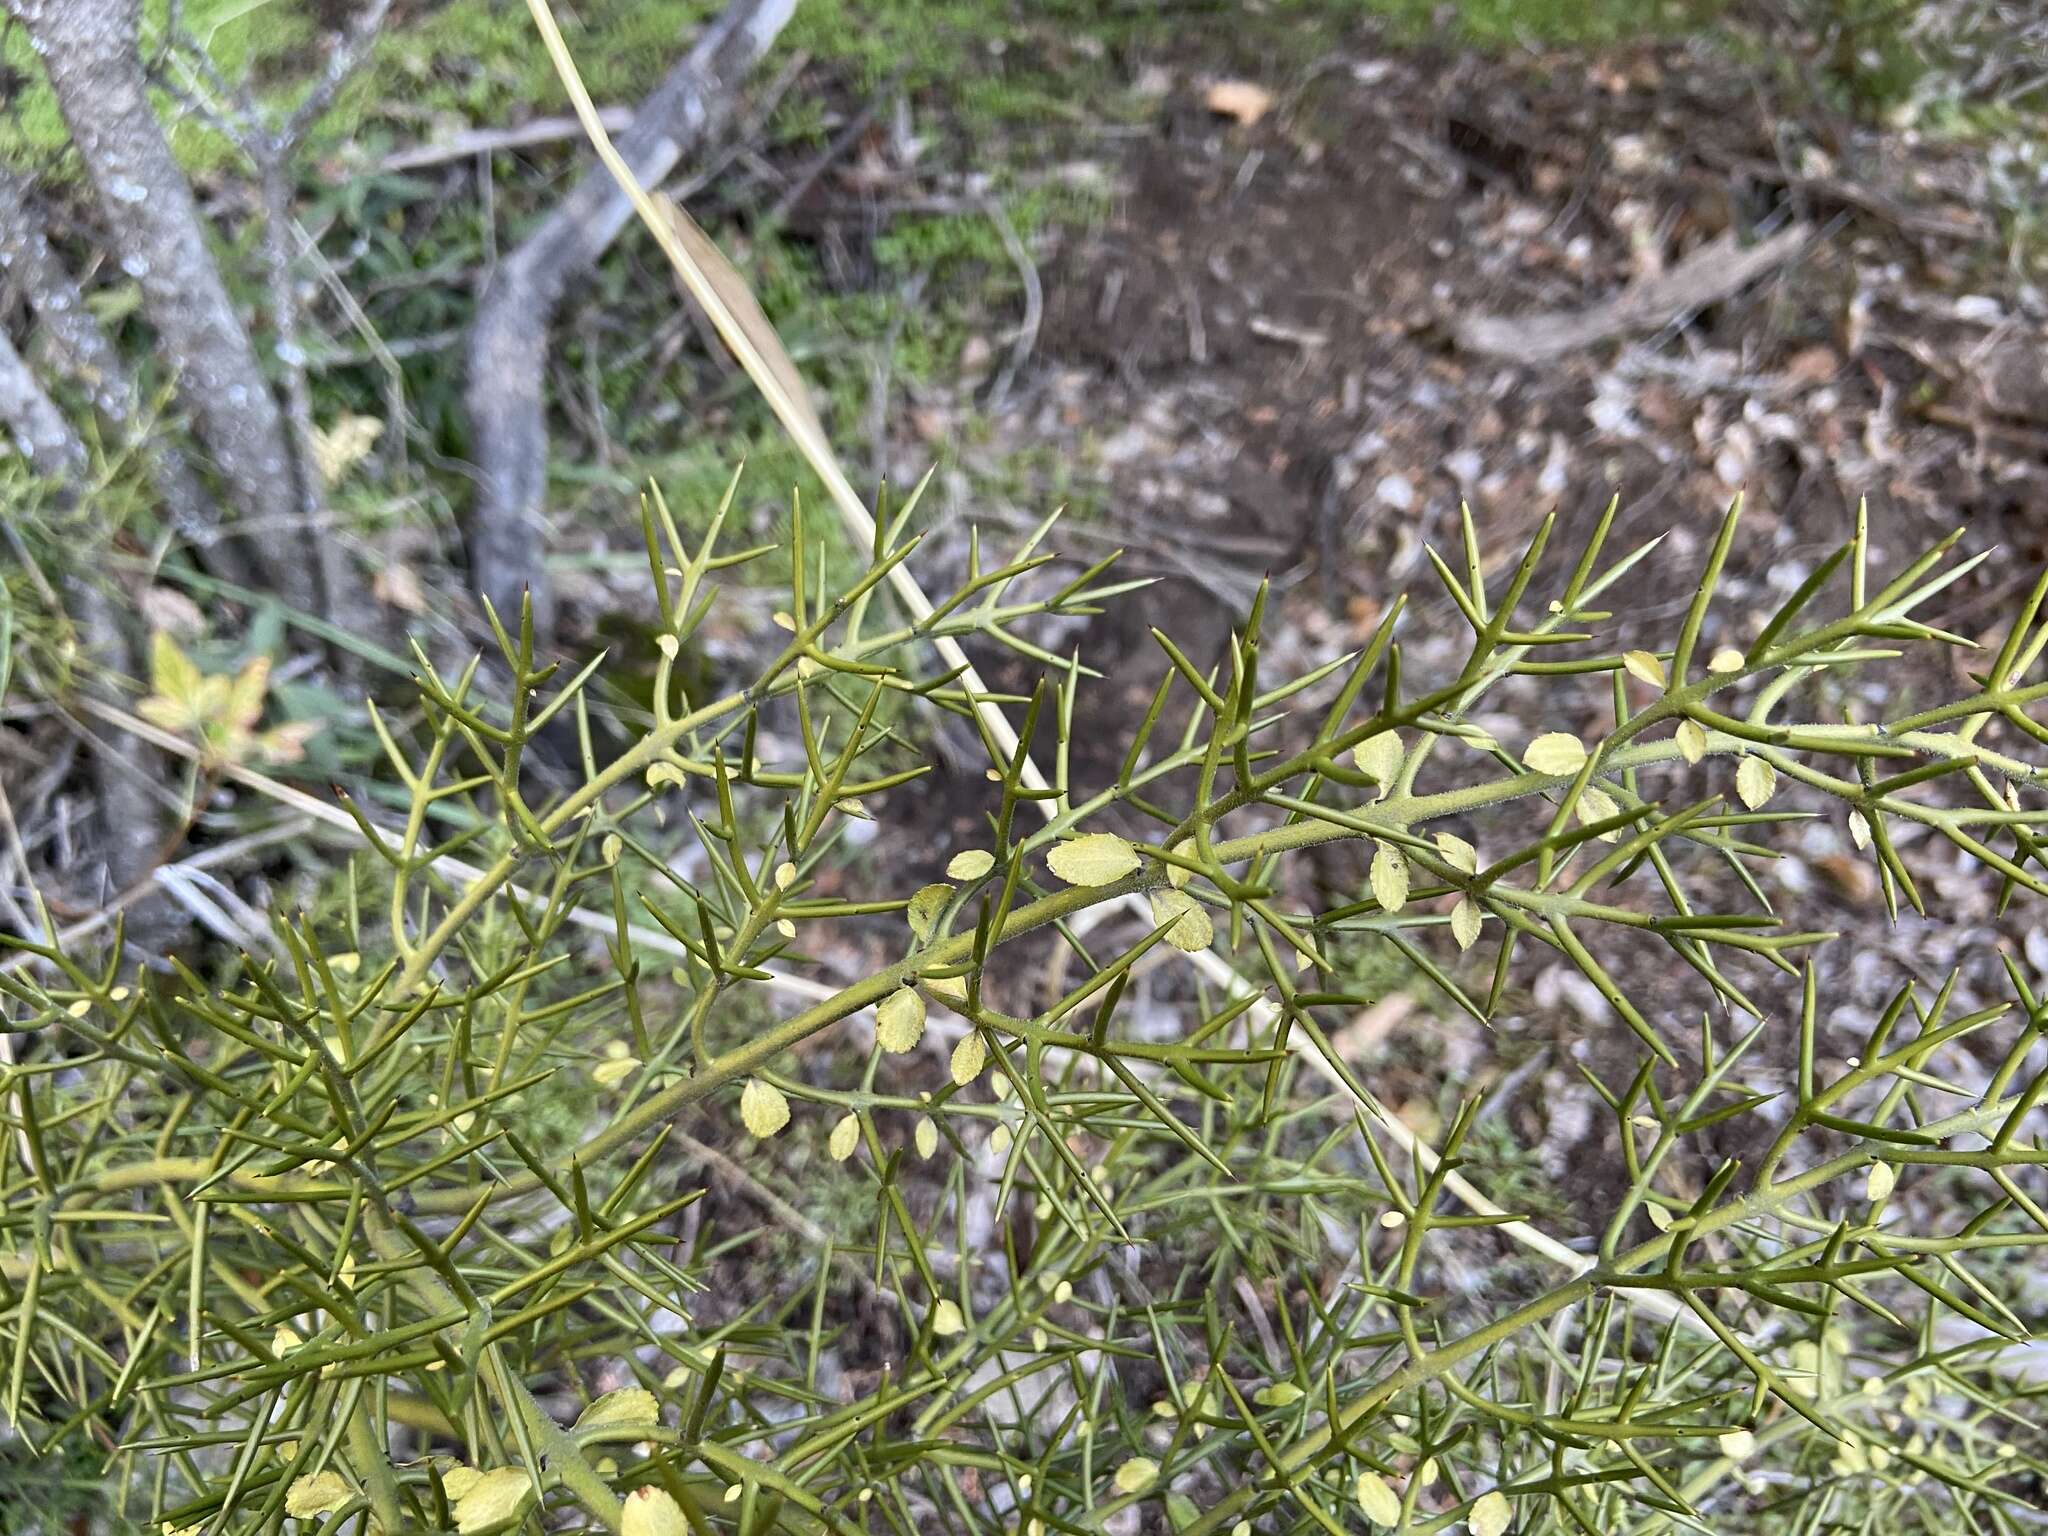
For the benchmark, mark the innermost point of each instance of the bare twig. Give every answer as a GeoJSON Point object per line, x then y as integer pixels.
{"type": "Point", "coordinates": [350, 54]}
{"type": "Point", "coordinates": [1034, 303]}
{"type": "Point", "coordinates": [729, 1172]}
{"type": "Point", "coordinates": [487, 141]}
{"type": "Point", "coordinates": [807, 175]}
{"type": "Point", "coordinates": [287, 829]}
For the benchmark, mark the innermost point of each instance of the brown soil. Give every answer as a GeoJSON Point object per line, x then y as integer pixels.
{"type": "Point", "coordinates": [1253, 363]}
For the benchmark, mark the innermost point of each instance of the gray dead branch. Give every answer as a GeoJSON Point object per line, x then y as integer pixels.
{"type": "Point", "coordinates": [91, 55]}
{"type": "Point", "coordinates": [1710, 274]}
{"type": "Point", "coordinates": [508, 341]}
{"type": "Point", "coordinates": [57, 453]}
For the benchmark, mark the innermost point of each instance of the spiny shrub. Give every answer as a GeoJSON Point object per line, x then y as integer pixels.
{"type": "Point", "coordinates": [387, 1225]}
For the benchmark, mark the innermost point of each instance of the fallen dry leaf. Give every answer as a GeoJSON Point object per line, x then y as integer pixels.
{"type": "Point", "coordinates": [1238, 99]}
{"type": "Point", "coordinates": [167, 608]}
{"type": "Point", "coordinates": [399, 585]}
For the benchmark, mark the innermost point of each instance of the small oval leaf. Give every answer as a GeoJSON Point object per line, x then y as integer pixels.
{"type": "Point", "coordinates": [320, 1494]}
{"type": "Point", "coordinates": [1755, 781]}
{"type": "Point", "coordinates": [1645, 668]}
{"type": "Point", "coordinates": [1379, 758]}
{"type": "Point", "coordinates": [899, 1020]}
{"type": "Point", "coordinates": [1390, 877]}
{"type": "Point", "coordinates": [1692, 740]}
{"type": "Point", "coordinates": [845, 1137]}
{"type": "Point", "coordinates": [1465, 923]}
{"type": "Point", "coordinates": [496, 1498]}
{"type": "Point", "coordinates": [653, 1512]}
{"type": "Point", "coordinates": [970, 864]}
{"type": "Point", "coordinates": [1381, 1504]}
{"type": "Point", "coordinates": [1557, 752]}
{"type": "Point", "coordinates": [969, 1057]}
{"type": "Point", "coordinates": [1458, 853]}
{"type": "Point", "coordinates": [628, 1405]}
{"type": "Point", "coordinates": [1490, 1514]}
{"type": "Point", "coordinates": [1096, 858]}
{"type": "Point", "coordinates": [1137, 1474]}
{"type": "Point", "coordinates": [1192, 930]}
{"type": "Point", "coordinates": [763, 1109]}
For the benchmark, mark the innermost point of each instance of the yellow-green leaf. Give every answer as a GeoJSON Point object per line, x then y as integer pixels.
{"type": "Point", "coordinates": [1644, 667]}
{"type": "Point", "coordinates": [952, 988]}
{"type": "Point", "coordinates": [339, 448]}
{"type": "Point", "coordinates": [970, 864]}
{"type": "Point", "coordinates": [1725, 660]}
{"type": "Point", "coordinates": [1465, 923]}
{"type": "Point", "coordinates": [496, 1498]}
{"type": "Point", "coordinates": [1192, 930]}
{"type": "Point", "coordinates": [457, 1481]}
{"type": "Point", "coordinates": [614, 1071]}
{"type": "Point", "coordinates": [1390, 877]}
{"type": "Point", "coordinates": [1882, 1179]}
{"type": "Point", "coordinates": [1557, 752]}
{"type": "Point", "coordinates": [947, 1321]}
{"type": "Point", "coordinates": [1595, 804]}
{"type": "Point", "coordinates": [245, 695]}
{"type": "Point", "coordinates": [1381, 1504]}
{"type": "Point", "coordinates": [1175, 875]}
{"type": "Point", "coordinates": [1278, 1394]}
{"type": "Point", "coordinates": [763, 1109]}
{"type": "Point", "coordinates": [322, 1493]}
{"type": "Point", "coordinates": [899, 1020]}
{"type": "Point", "coordinates": [172, 673]}
{"type": "Point", "coordinates": [628, 1405]}
{"type": "Point", "coordinates": [1737, 1444]}
{"type": "Point", "coordinates": [845, 1137]}
{"type": "Point", "coordinates": [1458, 853]}
{"type": "Point", "coordinates": [927, 1135]}
{"type": "Point", "coordinates": [969, 1057]}
{"type": "Point", "coordinates": [1692, 740]}
{"type": "Point", "coordinates": [1096, 858]}
{"type": "Point", "coordinates": [1379, 758]}
{"type": "Point", "coordinates": [1490, 1514]}
{"type": "Point", "coordinates": [653, 1512]}
{"type": "Point", "coordinates": [1137, 1474]}
{"type": "Point", "coordinates": [1755, 781]}
{"type": "Point", "coordinates": [925, 908]}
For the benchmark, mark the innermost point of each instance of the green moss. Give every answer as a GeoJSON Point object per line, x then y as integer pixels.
{"type": "Point", "coordinates": [1509, 23]}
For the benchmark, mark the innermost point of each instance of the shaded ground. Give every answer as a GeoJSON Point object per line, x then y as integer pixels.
{"type": "Point", "coordinates": [1250, 369]}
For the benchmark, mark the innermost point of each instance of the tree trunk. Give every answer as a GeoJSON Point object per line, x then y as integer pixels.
{"type": "Point", "coordinates": [89, 48]}
{"type": "Point", "coordinates": [508, 341]}
{"type": "Point", "coordinates": [56, 453]}
{"type": "Point", "coordinates": [84, 353]}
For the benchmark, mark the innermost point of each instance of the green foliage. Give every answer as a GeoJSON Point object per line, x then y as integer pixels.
{"type": "Point", "coordinates": [1076, 1214]}
{"type": "Point", "coordinates": [359, 1225]}
{"type": "Point", "coordinates": [1520, 23]}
